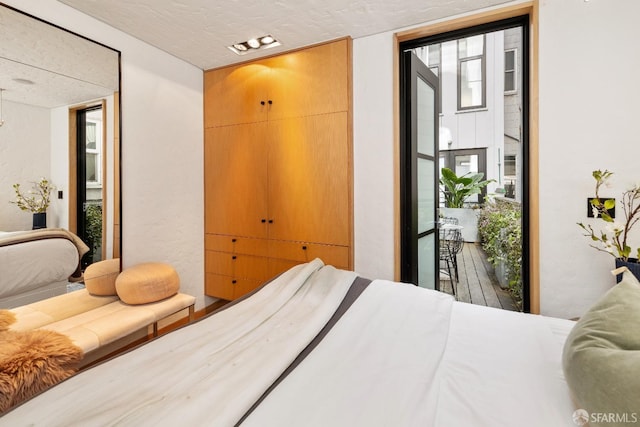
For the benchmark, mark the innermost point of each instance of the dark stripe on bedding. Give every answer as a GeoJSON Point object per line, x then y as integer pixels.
{"type": "Point", "coordinates": [357, 287]}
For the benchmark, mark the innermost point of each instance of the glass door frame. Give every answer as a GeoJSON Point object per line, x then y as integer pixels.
{"type": "Point", "coordinates": [411, 67]}
{"type": "Point", "coordinates": [518, 17]}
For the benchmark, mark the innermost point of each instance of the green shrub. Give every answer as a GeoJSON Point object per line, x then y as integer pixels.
{"type": "Point", "coordinates": [500, 230]}
{"type": "Point", "coordinates": [94, 229]}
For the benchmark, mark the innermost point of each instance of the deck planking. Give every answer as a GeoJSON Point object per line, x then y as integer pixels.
{"type": "Point", "coordinates": [477, 282]}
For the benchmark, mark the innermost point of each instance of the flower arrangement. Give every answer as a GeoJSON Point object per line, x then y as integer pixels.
{"type": "Point", "coordinates": [37, 199]}
{"type": "Point", "coordinates": [613, 238]}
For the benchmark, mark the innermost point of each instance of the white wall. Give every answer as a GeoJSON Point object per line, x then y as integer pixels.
{"type": "Point", "coordinates": [58, 212]}
{"type": "Point", "coordinates": [24, 135]}
{"type": "Point", "coordinates": [162, 135]}
{"type": "Point", "coordinates": [373, 154]}
{"type": "Point", "coordinates": [588, 121]}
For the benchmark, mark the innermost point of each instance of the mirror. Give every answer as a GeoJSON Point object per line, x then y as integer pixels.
{"type": "Point", "coordinates": [59, 109]}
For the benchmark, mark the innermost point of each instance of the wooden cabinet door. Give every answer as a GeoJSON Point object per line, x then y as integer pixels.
{"type": "Point", "coordinates": [236, 180]}
{"type": "Point", "coordinates": [309, 179]}
{"type": "Point", "coordinates": [235, 94]}
{"type": "Point", "coordinates": [310, 81]}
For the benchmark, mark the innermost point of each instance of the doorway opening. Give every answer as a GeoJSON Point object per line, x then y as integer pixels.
{"type": "Point", "coordinates": [480, 131]}
{"type": "Point", "coordinates": [87, 217]}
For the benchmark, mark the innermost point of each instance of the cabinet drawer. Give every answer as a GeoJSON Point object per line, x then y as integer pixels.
{"type": "Point", "coordinates": [279, 265]}
{"type": "Point", "coordinates": [235, 244]}
{"type": "Point", "coordinates": [227, 287]}
{"type": "Point", "coordinates": [338, 256]}
{"type": "Point", "coordinates": [236, 265]}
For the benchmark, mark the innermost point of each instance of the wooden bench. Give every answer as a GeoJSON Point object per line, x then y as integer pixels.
{"type": "Point", "coordinates": [99, 325]}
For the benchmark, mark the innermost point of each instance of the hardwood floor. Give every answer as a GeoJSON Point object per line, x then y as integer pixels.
{"type": "Point", "coordinates": [477, 282]}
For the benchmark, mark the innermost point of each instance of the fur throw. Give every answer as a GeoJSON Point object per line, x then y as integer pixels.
{"type": "Point", "coordinates": [31, 361]}
{"type": "Point", "coordinates": [6, 319]}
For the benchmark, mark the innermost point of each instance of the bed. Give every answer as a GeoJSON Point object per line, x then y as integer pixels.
{"type": "Point", "coordinates": [319, 346]}
{"type": "Point", "coordinates": [37, 264]}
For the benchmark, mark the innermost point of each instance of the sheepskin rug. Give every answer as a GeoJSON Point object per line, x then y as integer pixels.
{"type": "Point", "coordinates": [31, 361]}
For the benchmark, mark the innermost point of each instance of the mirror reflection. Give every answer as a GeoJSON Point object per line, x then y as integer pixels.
{"type": "Point", "coordinates": [59, 157]}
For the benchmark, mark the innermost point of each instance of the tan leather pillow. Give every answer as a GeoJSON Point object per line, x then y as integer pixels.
{"type": "Point", "coordinates": [100, 277]}
{"type": "Point", "coordinates": [149, 282]}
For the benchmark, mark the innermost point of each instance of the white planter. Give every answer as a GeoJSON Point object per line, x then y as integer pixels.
{"type": "Point", "coordinates": [500, 271]}
{"type": "Point", "coordinates": [468, 219]}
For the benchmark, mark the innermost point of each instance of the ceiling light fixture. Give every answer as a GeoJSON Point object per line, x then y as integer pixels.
{"type": "Point", "coordinates": [264, 42]}
{"type": "Point", "coordinates": [24, 81]}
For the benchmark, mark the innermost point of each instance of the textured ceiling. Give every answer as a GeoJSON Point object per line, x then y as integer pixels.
{"type": "Point", "coordinates": [64, 69]}
{"type": "Point", "coordinates": [198, 31]}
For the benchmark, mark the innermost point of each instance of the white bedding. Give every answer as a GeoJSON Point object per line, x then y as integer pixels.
{"type": "Point", "coordinates": [416, 358]}
{"type": "Point", "coordinates": [400, 356]}
{"type": "Point", "coordinates": [219, 366]}
{"type": "Point", "coordinates": [35, 270]}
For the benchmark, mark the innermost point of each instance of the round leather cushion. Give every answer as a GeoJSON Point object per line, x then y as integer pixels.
{"type": "Point", "coordinates": [100, 277]}
{"type": "Point", "coordinates": [149, 282]}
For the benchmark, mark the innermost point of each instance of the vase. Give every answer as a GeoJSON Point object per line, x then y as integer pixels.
{"type": "Point", "coordinates": [39, 220]}
{"type": "Point", "coordinates": [632, 264]}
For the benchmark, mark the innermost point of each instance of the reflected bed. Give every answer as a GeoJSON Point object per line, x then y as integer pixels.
{"type": "Point", "coordinates": [37, 264]}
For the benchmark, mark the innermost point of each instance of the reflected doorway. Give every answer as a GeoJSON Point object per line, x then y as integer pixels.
{"type": "Point", "coordinates": [90, 181]}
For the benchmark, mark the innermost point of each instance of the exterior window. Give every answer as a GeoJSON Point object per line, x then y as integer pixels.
{"type": "Point", "coordinates": [433, 58]}
{"type": "Point", "coordinates": [471, 67]}
{"type": "Point", "coordinates": [509, 166]}
{"type": "Point", "coordinates": [510, 72]}
{"type": "Point", "coordinates": [433, 62]}
{"type": "Point", "coordinates": [93, 154]}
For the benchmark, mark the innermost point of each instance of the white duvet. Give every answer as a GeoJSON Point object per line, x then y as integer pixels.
{"type": "Point", "coordinates": [401, 356]}
{"type": "Point", "coordinates": [406, 356]}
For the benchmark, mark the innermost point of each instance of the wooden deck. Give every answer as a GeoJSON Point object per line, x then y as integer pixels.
{"type": "Point", "coordinates": [478, 284]}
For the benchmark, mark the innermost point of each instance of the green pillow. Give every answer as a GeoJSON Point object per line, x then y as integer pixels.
{"type": "Point", "coordinates": [601, 357]}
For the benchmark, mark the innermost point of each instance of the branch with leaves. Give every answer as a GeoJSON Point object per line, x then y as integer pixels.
{"type": "Point", "coordinates": [37, 199]}
{"type": "Point", "coordinates": [613, 238]}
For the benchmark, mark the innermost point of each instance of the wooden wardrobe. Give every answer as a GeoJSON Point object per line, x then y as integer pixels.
{"type": "Point", "coordinates": [278, 166]}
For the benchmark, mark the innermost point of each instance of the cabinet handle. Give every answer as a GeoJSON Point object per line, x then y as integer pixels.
{"type": "Point", "coordinates": [304, 248]}
{"type": "Point", "coordinates": [270, 221]}
{"type": "Point", "coordinates": [261, 102]}
{"type": "Point", "coordinates": [233, 240]}
{"type": "Point", "coordinates": [234, 281]}
{"type": "Point", "coordinates": [263, 220]}
{"type": "Point", "coordinates": [234, 257]}
{"type": "Point", "coordinates": [270, 102]}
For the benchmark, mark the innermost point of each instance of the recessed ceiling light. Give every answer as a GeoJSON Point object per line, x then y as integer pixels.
{"type": "Point", "coordinates": [263, 42]}
{"type": "Point", "coordinates": [24, 81]}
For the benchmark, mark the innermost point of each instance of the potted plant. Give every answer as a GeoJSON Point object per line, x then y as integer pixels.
{"type": "Point", "coordinates": [456, 190]}
{"type": "Point", "coordinates": [36, 201]}
{"type": "Point", "coordinates": [613, 239]}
